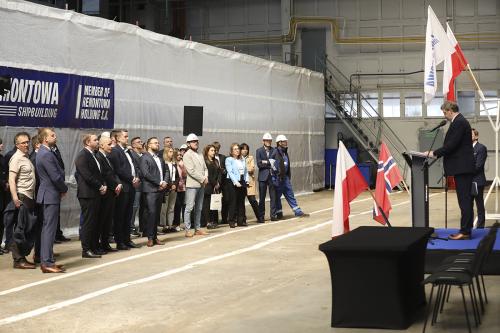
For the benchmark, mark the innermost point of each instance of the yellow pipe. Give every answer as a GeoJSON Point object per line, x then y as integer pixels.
{"type": "Point", "coordinates": [484, 37]}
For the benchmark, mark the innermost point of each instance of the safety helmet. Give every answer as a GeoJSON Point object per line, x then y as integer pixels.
{"type": "Point", "coordinates": [191, 137]}
{"type": "Point", "coordinates": [267, 136]}
{"type": "Point", "coordinates": [183, 146]}
{"type": "Point", "coordinates": [281, 137]}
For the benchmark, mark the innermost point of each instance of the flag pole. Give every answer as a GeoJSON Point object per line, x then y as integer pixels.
{"type": "Point", "coordinates": [380, 208]}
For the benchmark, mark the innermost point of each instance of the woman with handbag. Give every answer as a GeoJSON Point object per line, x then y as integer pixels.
{"type": "Point", "coordinates": [212, 187]}
{"type": "Point", "coordinates": [236, 186]}
{"type": "Point", "coordinates": [172, 177]}
{"type": "Point", "coordinates": [181, 188]}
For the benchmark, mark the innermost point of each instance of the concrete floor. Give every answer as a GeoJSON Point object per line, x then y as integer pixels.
{"type": "Point", "coordinates": [263, 278]}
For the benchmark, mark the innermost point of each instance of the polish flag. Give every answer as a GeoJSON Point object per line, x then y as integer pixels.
{"type": "Point", "coordinates": [349, 183]}
{"type": "Point", "coordinates": [453, 66]}
{"type": "Point", "coordinates": [388, 176]}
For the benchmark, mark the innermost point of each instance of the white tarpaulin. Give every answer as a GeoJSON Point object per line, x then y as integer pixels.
{"type": "Point", "coordinates": [155, 76]}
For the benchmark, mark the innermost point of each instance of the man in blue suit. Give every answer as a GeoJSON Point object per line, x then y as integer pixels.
{"type": "Point", "coordinates": [153, 187]}
{"type": "Point", "coordinates": [262, 155]}
{"type": "Point", "coordinates": [50, 192]}
{"type": "Point", "coordinates": [480, 155]}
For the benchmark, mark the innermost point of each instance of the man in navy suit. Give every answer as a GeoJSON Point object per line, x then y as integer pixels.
{"type": "Point", "coordinates": [91, 187]}
{"type": "Point", "coordinates": [262, 155]}
{"type": "Point", "coordinates": [480, 155]}
{"type": "Point", "coordinates": [153, 187]}
{"type": "Point", "coordinates": [52, 189]}
{"type": "Point", "coordinates": [124, 167]}
{"type": "Point", "coordinates": [458, 158]}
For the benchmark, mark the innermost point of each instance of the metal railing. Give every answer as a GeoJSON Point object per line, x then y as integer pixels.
{"type": "Point", "coordinates": [356, 112]}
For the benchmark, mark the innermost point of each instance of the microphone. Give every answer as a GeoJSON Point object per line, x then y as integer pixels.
{"type": "Point", "coordinates": [441, 124]}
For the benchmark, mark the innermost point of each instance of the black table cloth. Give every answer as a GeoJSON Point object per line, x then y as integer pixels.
{"type": "Point", "coordinates": [376, 276]}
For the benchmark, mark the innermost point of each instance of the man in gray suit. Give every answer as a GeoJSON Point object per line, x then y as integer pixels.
{"type": "Point", "coordinates": [52, 189]}
{"type": "Point", "coordinates": [153, 188]}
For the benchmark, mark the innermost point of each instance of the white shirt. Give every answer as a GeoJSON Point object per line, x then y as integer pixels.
{"type": "Point", "coordinates": [95, 159]}
{"type": "Point", "coordinates": [241, 166]}
{"type": "Point", "coordinates": [129, 161]}
{"type": "Point", "coordinates": [158, 163]}
{"type": "Point", "coordinates": [171, 169]}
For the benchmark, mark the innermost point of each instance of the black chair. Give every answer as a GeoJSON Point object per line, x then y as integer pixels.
{"type": "Point", "coordinates": [460, 271]}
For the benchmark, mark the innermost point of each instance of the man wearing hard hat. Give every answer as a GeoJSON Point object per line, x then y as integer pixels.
{"type": "Point", "coordinates": [197, 178]}
{"type": "Point", "coordinates": [281, 177]}
{"type": "Point", "coordinates": [262, 156]}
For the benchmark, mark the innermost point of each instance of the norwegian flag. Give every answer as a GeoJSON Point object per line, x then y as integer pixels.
{"type": "Point", "coordinates": [388, 177]}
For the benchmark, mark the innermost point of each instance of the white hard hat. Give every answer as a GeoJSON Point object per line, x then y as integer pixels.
{"type": "Point", "coordinates": [191, 137]}
{"type": "Point", "coordinates": [267, 136]}
{"type": "Point", "coordinates": [281, 137]}
{"type": "Point", "coordinates": [183, 146]}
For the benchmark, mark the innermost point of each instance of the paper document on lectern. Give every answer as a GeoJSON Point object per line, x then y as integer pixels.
{"type": "Point", "coordinates": [419, 154]}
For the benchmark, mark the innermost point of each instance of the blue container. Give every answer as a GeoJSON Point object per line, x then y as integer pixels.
{"type": "Point", "coordinates": [331, 160]}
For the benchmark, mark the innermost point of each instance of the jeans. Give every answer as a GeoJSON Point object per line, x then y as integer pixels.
{"type": "Point", "coordinates": [194, 200]}
{"type": "Point", "coordinates": [285, 188]}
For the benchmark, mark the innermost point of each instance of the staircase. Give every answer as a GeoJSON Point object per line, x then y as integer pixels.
{"type": "Point", "coordinates": [363, 121]}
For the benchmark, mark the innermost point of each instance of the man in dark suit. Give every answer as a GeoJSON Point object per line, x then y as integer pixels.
{"type": "Point", "coordinates": [91, 187]}
{"type": "Point", "coordinates": [122, 163]}
{"type": "Point", "coordinates": [154, 186]}
{"type": "Point", "coordinates": [458, 158]}
{"type": "Point", "coordinates": [113, 186]}
{"type": "Point", "coordinates": [136, 153]}
{"type": "Point", "coordinates": [52, 189]}
{"type": "Point", "coordinates": [35, 145]}
{"type": "Point", "coordinates": [262, 156]}
{"type": "Point", "coordinates": [59, 234]}
{"type": "Point", "coordinates": [480, 155]}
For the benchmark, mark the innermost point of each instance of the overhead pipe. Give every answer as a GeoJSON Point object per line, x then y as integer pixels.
{"type": "Point", "coordinates": [296, 21]}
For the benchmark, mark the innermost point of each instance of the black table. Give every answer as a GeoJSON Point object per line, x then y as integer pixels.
{"type": "Point", "coordinates": [376, 276]}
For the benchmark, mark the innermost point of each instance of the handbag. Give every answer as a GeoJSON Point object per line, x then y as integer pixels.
{"type": "Point", "coordinates": [216, 201]}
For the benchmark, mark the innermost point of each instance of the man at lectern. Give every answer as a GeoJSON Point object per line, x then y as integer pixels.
{"type": "Point", "coordinates": [479, 180]}
{"type": "Point", "coordinates": [458, 158]}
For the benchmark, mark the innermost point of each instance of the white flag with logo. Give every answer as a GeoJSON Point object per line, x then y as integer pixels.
{"type": "Point", "coordinates": [437, 48]}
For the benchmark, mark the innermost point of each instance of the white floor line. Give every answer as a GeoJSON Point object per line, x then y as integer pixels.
{"type": "Point", "coordinates": [85, 297]}
{"type": "Point", "coordinates": [141, 255]}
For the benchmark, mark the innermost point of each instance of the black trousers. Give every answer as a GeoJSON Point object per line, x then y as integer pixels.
{"type": "Point", "coordinates": [152, 212]}
{"type": "Point", "coordinates": [89, 232]}
{"type": "Point", "coordinates": [121, 225]}
{"type": "Point", "coordinates": [180, 204]}
{"type": "Point", "coordinates": [480, 206]}
{"type": "Point", "coordinates": [463, 184]}
{"type": "Point", "coordinates": [208, 215]}
{"type": "Point", "coordinates": [255, 206]}
{"type": "Point", "coordinates": [29, 204]}
{"type": "Point", "coordinates": [236, 197]}
{"type": "Point", "coordinates": [263, 186]}
{"type": "Point", "coordinates": [105, 218]}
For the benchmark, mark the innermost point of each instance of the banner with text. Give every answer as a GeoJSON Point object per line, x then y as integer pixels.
{"type": "Point", "coordinates": [46, 99]}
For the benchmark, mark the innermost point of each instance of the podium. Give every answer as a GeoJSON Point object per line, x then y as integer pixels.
{"type": "Point", "coordinates": [419, 165]}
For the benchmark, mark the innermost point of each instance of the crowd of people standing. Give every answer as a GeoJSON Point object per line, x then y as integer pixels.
{"type": "Point", "coordinates": [121, 183]}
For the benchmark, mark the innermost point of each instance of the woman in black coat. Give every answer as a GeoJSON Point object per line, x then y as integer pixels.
{"type": "Point", "coordinates": [210, 217]}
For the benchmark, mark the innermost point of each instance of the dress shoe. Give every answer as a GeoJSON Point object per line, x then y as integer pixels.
{"type": "Point", "coordinates": [122, 247]}
{"type": "Point", "coordinates": [24, 265]}
{"type": "Point", "coordinates": [61, 238]}
{"type": "Point", "coordinates": [242, 224]}
{"type": "Point", "coordinates": [52, 269]}
{"type": "Point", "coordinates": [274, 218]}
{"type": "Point", "coordinates": [100, 251]}
{"type": "Point", "coordinates": [261, 221]}
{"type": "Point", "coordinates": [279, 216]}
{"type": "Point", "coordinates": [108, 248]}
{"type": "Point", "coordinates": [200, 232]}
{"type": "Point", "coordinates": [150, 243]}
{"type": "Point", "coordinates": [189, 234]}
{"type": "Point", "coordinates": [132, 245]}
{"type": "Point", "coordinates": [459, 236]}
{"type": "Point", "coordinates": [90, 254]}
{"type": "Point", "coordinates": [56, 241]}
{"type": "Point", "coordinates": [158, 242]}
{"type": "Point", "coordinates": [36, 259]}
{"type": "Point", "coordinates": [232, 225]}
